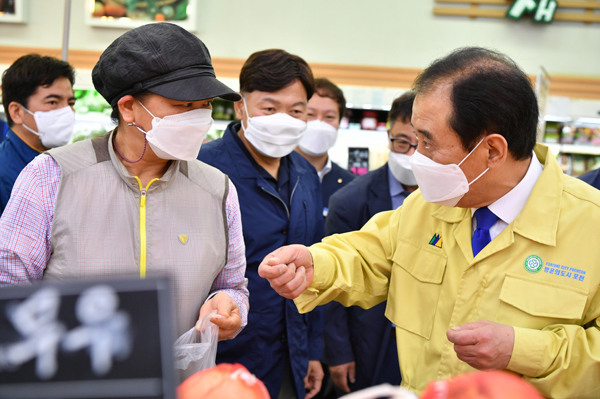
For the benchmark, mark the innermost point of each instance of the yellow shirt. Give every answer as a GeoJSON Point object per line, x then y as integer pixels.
{"type": "Point", "coordinates": [541, 274]}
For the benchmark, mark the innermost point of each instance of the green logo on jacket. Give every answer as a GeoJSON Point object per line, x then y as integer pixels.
{"type": "Point", "coordinates": [533, 264]}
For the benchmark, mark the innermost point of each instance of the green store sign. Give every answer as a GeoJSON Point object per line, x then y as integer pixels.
{"type": "Point", "coordinates": [542, 10]}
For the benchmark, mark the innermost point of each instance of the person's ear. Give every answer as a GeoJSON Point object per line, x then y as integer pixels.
{"type": "Point", "coordinates": [497, 150]}
{"type": "Point", "coordinates": [16, 112]}
{"type": "Point", "coordinates": [238, 107]}
{"type": "Point", "coordinates": [125, 105]}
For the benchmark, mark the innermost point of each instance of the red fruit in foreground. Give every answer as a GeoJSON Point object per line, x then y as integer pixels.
{"type": "Point", "coordinates": [481, 385]}
{"type": "Point", "coordinates": [225, 381]}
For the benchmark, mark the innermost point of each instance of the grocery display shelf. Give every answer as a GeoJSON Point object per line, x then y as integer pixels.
{"type": "Point", "coordinates": [573, 149]}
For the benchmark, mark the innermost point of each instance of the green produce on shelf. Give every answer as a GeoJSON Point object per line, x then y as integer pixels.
{"type": "Point", "coordinates": [90, 101]}
{"type": "Point", "coordinates": [181, 11]}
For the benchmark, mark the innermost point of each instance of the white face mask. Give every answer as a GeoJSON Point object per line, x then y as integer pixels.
{"type": "Point", "coordinates": [275, 135]}
{"type": "Point", "coordinates": [55, 127]}
{"type": "Point", "coordinates": [399, 165]}
{"type": "Point", "coordinates": [318, 138]}
{"type": "Point", "coordinates": [441, 184]}
{"type": "Point", "coordinates": [178, 136]}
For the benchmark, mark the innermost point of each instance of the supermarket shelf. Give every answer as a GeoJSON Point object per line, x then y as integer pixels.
{"type": "Point", "coordinates": [375, 141]}
{"type": "Point", "coordinates": [579, 122]}
{"type": "Point", "coordinates": [573, 149]}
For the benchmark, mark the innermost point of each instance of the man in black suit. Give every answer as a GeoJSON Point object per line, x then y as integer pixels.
{"type": "Point", "coordinates": [359, 345]}
{"type": "Point", "coordinates": [325, 110]}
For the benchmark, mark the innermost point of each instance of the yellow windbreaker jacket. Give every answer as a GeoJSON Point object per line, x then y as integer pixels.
{"type": "Point", "coordinates": [540, 275]}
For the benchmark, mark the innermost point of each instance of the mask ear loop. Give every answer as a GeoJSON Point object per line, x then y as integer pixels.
{"type": "Point", "coordinates": [464, 159]}
{"type": "Point", "coordinates": [247, 114]}
{"type": "Point", "coordinates": [139, 102]}
{"type": "Point", "coordinates": [24, 125]}
{"type": "Point", "coordinates": [138, 126]}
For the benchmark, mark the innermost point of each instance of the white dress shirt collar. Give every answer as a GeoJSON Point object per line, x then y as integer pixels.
{"type": "Point", "coordinates": [326, 169]}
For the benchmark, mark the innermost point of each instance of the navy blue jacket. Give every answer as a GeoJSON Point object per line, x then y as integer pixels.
{"type": "Point", "coordinates": [3, 130]}
{"type": "Point", "coordinates": [356, 334]}
{"type": "Point", "coordinates": [15, 154]}
{"type": "Point", "coordinates": [275, 329]}
{"type": "Point", "coordinates": [333, 181]}
{"type": "Point", "coordinates": [592, 178]}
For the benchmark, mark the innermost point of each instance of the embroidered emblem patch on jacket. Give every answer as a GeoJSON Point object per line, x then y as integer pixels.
{"type": "Point", "coordinates": [533, 264]}
{"type": "Point", "coordinates": [436, 241]}
{"type": "Point", "coordinates": [183, 238]}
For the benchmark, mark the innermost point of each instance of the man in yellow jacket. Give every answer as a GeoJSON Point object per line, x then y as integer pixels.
{"type": "Point", "coordinates": [494, 263]}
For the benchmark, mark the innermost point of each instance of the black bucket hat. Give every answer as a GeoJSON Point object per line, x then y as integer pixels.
{"type": "Point", "coordinates": [162, 58]}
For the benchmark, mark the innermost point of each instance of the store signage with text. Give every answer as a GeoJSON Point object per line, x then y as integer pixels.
{"type": "Point", "coordinates": [542, 10]}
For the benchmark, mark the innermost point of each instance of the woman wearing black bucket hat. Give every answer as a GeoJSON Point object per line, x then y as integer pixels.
{"type": "Point", "coordinates": [136, 201]}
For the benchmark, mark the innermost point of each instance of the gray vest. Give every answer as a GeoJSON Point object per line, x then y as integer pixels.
{"type": "Point", "coordinates": [96, 230]}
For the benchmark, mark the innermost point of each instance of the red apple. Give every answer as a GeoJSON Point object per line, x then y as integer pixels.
{"type": "Point", "coordinates": [225, 381]}
{"type": "Point", "coordinates": [481, 385]}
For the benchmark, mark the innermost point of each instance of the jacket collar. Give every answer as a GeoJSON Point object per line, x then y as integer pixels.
{"type": "Point", "coordinates": [23, 150]}
{"type": "Point", "coordinates": [535, 222]}
{"type": "Point", "coordinates": [540, 223]}
{"type": "Point", "coordinates": [162, 183]}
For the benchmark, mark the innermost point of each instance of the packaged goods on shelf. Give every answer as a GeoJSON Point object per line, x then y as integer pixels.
{"type": "Point", "coordinates": [576, 143]}
{"type": "Point", "coordinates": [578, 164]}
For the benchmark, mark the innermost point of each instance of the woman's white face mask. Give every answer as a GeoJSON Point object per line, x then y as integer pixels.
{"type": "Point", "coordinates": [441, 184]}
{"type": "Point", "coordinates": [275, 135]}
{"type": "Point", "coordinates": [179, 136]}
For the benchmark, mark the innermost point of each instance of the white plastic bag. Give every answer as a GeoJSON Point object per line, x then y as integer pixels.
{"type": "Point", "coordinates": [196, 351]}
{"type": "Point", "coordinates": [381, 391]}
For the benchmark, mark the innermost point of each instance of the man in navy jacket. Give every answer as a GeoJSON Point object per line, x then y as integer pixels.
{"type": "Point", "coordinates": [280, 201]}
{"type": "Point", "coordinates": [360, 347]}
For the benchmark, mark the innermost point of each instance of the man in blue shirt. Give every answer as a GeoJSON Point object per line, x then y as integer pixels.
{"type": "Point", "coordinates": [280, 202]}
{"type": "Point", "coordinates": [360, 348]}
{"type": "Point", "coordinates": [37, 93]}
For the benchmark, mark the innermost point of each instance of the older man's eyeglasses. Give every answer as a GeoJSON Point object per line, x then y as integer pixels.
{"type": "Point", "coordinates": [401, 146]}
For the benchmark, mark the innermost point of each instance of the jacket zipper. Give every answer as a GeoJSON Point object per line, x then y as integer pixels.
{"type": "Point", "coordinates": [143, 239]}
{"type": "Point", "coordinates": [294, 190]}
{"type": "Point", "coordinates": [282, 201]}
